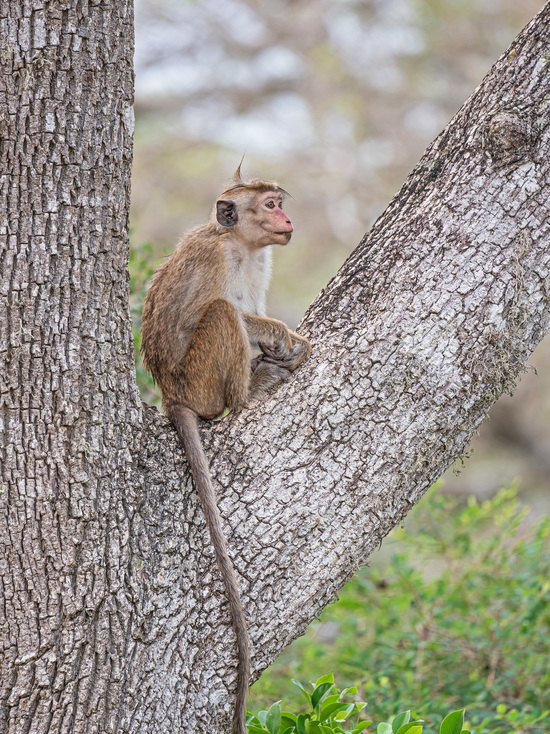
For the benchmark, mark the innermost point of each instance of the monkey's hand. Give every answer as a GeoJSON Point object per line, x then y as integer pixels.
{"type": "Point", "coordinates": [275, 353]}
{"type": "Point", "coordinates": [280, 346]}
{"type": "Point", "coordinates": [298, 353]}
{"type": "Point", "coordinates": [270, 335]}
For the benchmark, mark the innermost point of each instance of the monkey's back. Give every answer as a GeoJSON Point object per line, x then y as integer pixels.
{"type": "Point", "coordinates": [193, 276]}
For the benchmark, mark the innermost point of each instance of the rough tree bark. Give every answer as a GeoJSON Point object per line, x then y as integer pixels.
{"type": "Point", "coordinates": [113, 613]}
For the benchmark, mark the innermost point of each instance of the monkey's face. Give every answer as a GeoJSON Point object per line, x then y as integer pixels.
{"type": "Point", "coordinates": [258, 218]}
{"type": "Point", "coordinates": [273, 222]}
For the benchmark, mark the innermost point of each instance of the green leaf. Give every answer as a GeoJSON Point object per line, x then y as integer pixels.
{"type": "Point", "coordinates": [288, 719]}
{"type": "Point", "coordinates": [327, 711]}
{"type": "Point", "coordinates": [301, 723]}
{"type": "Point", "coordinates": [252, 729]}
{"type": "Point", "coordinates": [273, 719]}
{"type": "Point", "coordinates": [353, 689]}
{"type": "Point", "coordinates": [452, 724]}
{"type": "Point", "coordinates": [301, 687]}
{"type": "Point", "coordinates": [318, 693]}
{"type": "Point", "coordinates": [361, 727]}
{"type": "Point", "coordinates": [262, 715]}
{"type": "Point", "coordinates": [383, 728]}
{"type": "Point", "coordinates": [400, 719]}
{"type": "Point", "coordinates": [346, 713]}
{"type": "Point", "coordinates": [412, 727]}
{"type": "Point", "coordinates": [290, 730]}
{"type": "Point", "coordinates": [328, 678]}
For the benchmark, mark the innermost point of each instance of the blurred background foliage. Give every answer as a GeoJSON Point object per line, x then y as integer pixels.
{"type": "Point", "coordinates": [336, 100]}
{"type": "Point", "coordinates": [454, 612]}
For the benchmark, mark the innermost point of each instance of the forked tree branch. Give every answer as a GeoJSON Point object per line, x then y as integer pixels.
{"type": "Point", "coordinates": [116, 619]}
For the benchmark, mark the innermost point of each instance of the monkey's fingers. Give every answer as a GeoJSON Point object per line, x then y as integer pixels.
{"type": "Point", "coordinates": [292, 360]}
{"type": "Point", "coordinates": [273, 351]}
{"type": "Point", "coordinates": [283, 363]}
{"type": "Point", "coordinates": [296, 356]}
{"type": "Point", "coordinates": [301, 349]}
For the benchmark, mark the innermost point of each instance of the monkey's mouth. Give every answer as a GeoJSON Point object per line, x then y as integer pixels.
{"type": "Point", "coordinates": [284, 234]}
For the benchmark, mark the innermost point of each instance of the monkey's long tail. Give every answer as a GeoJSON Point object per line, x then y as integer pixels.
{"type": "Point", "coordinates": [186, 425]}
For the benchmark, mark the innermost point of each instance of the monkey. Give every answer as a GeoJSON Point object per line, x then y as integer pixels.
{"type": "Point", "coordinates": [211, 349]}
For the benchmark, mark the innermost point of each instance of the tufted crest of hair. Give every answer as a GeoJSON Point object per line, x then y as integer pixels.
{"type": "Point", "coordinates": [255, 184]}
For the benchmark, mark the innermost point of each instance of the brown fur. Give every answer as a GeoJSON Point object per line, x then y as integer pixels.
{"type": "Point", "coordinates": [197, 342]}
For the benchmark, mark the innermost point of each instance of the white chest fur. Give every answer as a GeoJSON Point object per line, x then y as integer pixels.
{"type": "Point", "coordinates": [249, 278]}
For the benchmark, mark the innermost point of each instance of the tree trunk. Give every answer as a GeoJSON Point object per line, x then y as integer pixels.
{"type": "Point", "coordinates": [115, 615]}
{"type": "Point", "coordinates": [69, 408]}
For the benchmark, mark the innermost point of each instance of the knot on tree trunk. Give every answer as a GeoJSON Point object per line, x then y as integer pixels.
{"type": "Point", "coordinates": [510, 137]}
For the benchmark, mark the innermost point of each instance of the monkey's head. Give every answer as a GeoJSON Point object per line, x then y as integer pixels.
{"type": "Point", "coordinates": [253, 211]}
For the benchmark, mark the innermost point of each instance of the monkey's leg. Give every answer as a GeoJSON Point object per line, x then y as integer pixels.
{"type": "Point", "coordinates": [264, 380]}
{"type": "Point", "coordinates": [215, 370]}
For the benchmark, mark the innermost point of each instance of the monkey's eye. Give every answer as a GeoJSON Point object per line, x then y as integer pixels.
{"type": "Point", "coordinates": [270, 204]}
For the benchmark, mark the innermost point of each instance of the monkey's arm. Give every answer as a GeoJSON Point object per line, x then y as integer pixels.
{"type": "Point", "coordinates": [280, 345]}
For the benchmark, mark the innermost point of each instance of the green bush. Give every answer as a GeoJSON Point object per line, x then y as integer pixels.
{"type": "Point", "coordinates": [328, 711]}
{"type": "Point", "coordinates": [458, 616]}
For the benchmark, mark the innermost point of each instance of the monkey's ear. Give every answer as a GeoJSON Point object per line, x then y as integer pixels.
{"type": "Point", "coordinates": [226, 213]}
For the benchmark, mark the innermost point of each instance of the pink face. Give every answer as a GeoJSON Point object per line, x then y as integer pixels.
{"type": "Point", "coordinates": [274, 220]}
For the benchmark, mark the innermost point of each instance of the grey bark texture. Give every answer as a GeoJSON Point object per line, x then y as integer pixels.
{"type": "Point", "coordinates": [113, 616]}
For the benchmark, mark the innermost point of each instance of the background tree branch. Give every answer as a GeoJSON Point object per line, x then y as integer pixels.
{"type": "Point", "coordinates": [431, 318]}
{"type": "Point", "coordinates": [116, 616]}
